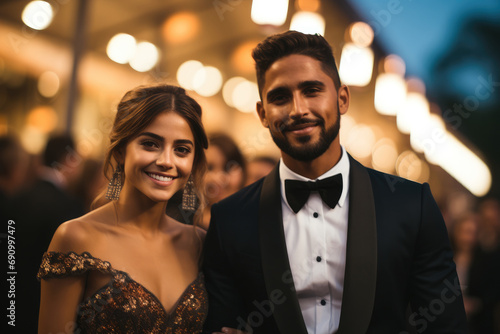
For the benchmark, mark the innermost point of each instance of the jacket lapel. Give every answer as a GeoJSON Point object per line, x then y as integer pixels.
{"type": "Point", "coordinates": [274, 256]}
{"type": "Point", "coordinates": [361, 256]}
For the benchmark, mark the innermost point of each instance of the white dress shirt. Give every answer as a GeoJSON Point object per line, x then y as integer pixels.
{"type": "Point", "coordinates": [316, 240]}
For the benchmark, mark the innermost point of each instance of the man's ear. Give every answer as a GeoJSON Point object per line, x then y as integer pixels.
{"type": "Point", "coordinates": [343, 96]}
{"type": "Point", "coordinates": [262, 114]}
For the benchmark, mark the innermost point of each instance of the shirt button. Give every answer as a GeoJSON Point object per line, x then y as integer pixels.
{"type": "Point", "coordinates": [323, 302]}
{"type": "Point", "coordinates": [318, 258]}
{"type": "Point", "coordinates": [315, 215]}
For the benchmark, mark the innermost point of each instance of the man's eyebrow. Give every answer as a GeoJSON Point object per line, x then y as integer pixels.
{"type": "Point", "coordinates": [310, 83]}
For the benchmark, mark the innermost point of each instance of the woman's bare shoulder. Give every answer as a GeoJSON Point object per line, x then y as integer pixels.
{"type": "Point", "coordinates": [80, 234]}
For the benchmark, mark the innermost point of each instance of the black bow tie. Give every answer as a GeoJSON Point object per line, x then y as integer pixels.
{"type": "Point", "coordinates": [297, 192]}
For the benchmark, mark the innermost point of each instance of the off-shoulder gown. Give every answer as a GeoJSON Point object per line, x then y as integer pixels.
{"type": "Point", "coordinates": [124, 305]}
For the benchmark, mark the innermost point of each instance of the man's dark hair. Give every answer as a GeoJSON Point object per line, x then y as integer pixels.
{"type": "Point", "coordinates": [289, 43]}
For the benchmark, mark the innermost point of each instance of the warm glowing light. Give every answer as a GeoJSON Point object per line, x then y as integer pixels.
{"type": "Point", "coordinates": [207, 81]}
{"type": "Point", "coordinates": [361, 34]}
{"type": "Point", "coordinates": [33, 140]}
{"type": "Point", "coordinates": [347, 123]}
{"type": "Point", "coordinates": [307, 5]}
{"type": "Point", "coordinates": [308, 23]}
{"type": "Point", "coordinates": [414, 84]}
{"type": "Point", "coordinates": [38, 15]}
{"type": "Point", "coordinates": [360, 140]}
{"type": "Point", "coordinates": [242, 60]}
{"type": "Point", "coordinates": [427, 134]}
{"type": "Point", "coordinates": [461, 163]}
{"type": "Point", "coordinates": [245, 96]}
{"type": "Point", "coordinates": [228, 89]}
{"type": "Point", "coordinates": [413, 113]}
{"type": "Point", "coordinates": [384, 155]}
{"type": "Point", "coordinates": [271, 12]}
{"type": "Point", "coordinates": [181, 27]}
{"type": "Point", "coordinates": [187, 72]}
{"type": "Point", "coordinates": [356, 65]}
{"type": "Point", "coordinates": [121, 48]}
{"type": "Point", "coordinates": [145, 58]}
{"type": "Point", "coordinates": [411, 167]}
{"type": "Point", "coordinates": [42, 118]}
{"type": "Point", "coordinates": [394, 64]}
{"type": "Point", "coordinates": [390, 93]}
{"type": "Point", "coordinates": [48, 84]}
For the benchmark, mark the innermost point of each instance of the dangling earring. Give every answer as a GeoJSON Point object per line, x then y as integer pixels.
{"type": "Point", "coordinates": [115, 185]}
{"type": "Point", "coordinates": [189, 196]}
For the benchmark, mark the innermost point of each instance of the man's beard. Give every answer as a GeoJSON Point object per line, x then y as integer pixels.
{"type": "Point", "coordinates": [309, 152]}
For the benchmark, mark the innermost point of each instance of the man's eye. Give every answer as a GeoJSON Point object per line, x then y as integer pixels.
{"type": "Point", "coordinates": [279, 99]}
{"type": "Point", "coordinates": [311, 91]}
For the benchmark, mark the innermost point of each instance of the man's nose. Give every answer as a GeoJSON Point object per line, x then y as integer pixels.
{"type": "Point", "coordinates": [299, 107]}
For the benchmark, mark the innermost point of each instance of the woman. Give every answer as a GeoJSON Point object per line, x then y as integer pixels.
{"type": "Point", "coordinates": [226, 171]}
{"type": "Point", "coordinates": [126, 267]}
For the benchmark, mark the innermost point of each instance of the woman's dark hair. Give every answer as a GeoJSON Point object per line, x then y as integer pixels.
{"type": "Point", "coordinates": [289, 43]}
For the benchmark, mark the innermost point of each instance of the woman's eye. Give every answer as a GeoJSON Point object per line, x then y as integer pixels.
{"type": "Point", "coordinates": [149, 144]}
{"type": "Point", "coordinates": [183, 150]}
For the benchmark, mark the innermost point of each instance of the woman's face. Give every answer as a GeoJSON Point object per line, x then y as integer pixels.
{"type": "Point", "coordinates": [159, 160]}
{"type": "Point", "coordinates": [223, 177]}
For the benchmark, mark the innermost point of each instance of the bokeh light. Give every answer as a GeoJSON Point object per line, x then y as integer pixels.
{"type": "Point", "coordinates": [145, 58]}
{"type": "Point", "coordinates": [207, 81]}
{"type": "Point", "coordinates": [181, 27]}
{"type": "Point", "coordinates": [38, 15]}
{"type": "Point", "coordinates": [271, 12]}
{"type": "Point", "coordinates": [308, 23]}
{"type": "Point", "coordinates": [48, 84]}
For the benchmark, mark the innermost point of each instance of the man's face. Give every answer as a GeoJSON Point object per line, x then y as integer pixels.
{"type": "Point", "coordinates": [300, 106]}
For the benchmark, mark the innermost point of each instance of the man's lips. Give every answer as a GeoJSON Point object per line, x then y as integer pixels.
{"type": "Point", "coordinates": [302, 127]}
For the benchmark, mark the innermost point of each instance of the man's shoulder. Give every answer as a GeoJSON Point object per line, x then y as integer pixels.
{"type": "Point", "coordinates": [385, 182]}
{"type": "Point", "coordinates": [247, 194]}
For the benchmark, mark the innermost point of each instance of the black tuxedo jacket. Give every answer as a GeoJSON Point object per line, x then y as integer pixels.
{"type": "Point", "coordinates": [398, 255]}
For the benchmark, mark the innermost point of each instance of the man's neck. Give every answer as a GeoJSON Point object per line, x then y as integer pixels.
{"type": "Point", "coordinates": [317, 167]}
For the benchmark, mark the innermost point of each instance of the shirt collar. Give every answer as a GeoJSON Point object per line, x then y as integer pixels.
{"type": "Point", "coordinates": [342, 167]}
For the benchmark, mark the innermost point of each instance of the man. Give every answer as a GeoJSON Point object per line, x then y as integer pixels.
{"type": "Point", "coordinates": [38, 211]}
{"type": "Point", "coordinates": [358, 252]}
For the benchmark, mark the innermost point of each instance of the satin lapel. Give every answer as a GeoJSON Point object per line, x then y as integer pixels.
{"type": "Point", "coordinates": [361, 256]}
{"type": "Point", "coordinates": [275, 265]}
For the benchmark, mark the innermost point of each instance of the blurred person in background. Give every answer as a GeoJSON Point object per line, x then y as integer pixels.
{"type": "Point", "coordinates": [484, 276]}
{"type": "Point", "coordinates": [89, 184]}
{"type": "Point", "coordinates": [13, 169]}
{"type": "Point", "coordinates": [38, 211]}
{"type": "Point", "coordinates": [463, 238]}
{"type": "Point", "coordinates": [259, 167]}
{"type": "Point", "coordinates": [226, 171]}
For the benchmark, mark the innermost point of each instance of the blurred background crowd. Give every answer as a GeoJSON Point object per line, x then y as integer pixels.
{"type": "Point", "coordinates": [424, 78]}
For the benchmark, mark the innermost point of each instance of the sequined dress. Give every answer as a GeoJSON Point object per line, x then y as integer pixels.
{"type": "Point", "coordinates": [123, 305]}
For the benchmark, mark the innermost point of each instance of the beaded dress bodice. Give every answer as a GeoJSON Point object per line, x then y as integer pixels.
{"type": "Point", "coordinates": [124, 305]}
